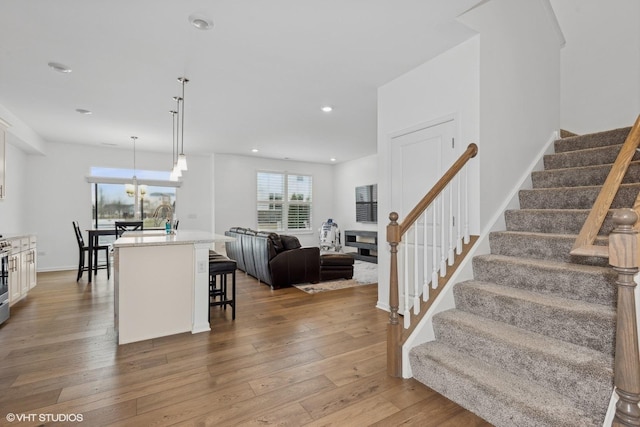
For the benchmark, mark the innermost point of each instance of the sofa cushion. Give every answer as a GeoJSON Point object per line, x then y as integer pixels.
{"type": "Point", "coordinates": [277, 242]}
{"type": "Point", "coordinates": [290, 242]}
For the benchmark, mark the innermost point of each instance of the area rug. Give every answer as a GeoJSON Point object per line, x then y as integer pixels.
{"type": "Point", "coordinates": [364, 273]}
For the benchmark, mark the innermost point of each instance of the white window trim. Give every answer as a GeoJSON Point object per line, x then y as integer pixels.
{"type": "Point", "coordinates": [153, 182]}
{"type": "Point", "coordinates": [286, 203]}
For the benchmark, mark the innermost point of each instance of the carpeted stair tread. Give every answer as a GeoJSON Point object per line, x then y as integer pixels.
{"type": "Point", "coordinates": [592, 140]}
{"type": "Point", "coordinates": [531, 339]}
{"type": "Point", "coordinates": [582, 323]}
{"type": "Point", "coordinates": [586, 157]}
{"type": "Point", "coordinates": [560, 221]}
{"type": "Point", "coordinates": [503, 399]}
{"type": "Point", "coordinates": [575, 198]}
{"type": "Point", "coordinates": [582, 176]}
{"type": "Point", "coordinates": [588, 283]}
{"type": "Point", "coordinates": [581, 374]}
{"type": "Point", "coordinates": [542, 246]}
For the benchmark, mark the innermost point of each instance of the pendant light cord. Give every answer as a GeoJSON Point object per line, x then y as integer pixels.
{"type": "Point", "coordinates": [134, 155]}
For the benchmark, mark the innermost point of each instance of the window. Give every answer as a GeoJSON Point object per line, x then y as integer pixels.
{"type": "Point", "coordinates": [284, 201]}
{"type": "Point", "coordinates": [112, 197]}
{"type": "Point", "coordinates": [367, 203]}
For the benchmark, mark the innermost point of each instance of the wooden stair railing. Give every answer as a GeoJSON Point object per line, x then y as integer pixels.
{"type": "Point", "coordinates": [623, 252]}
{"type": "Point", "coordinates": [584, 243]}
{"type": "Point", "coordinates": [395, 233]}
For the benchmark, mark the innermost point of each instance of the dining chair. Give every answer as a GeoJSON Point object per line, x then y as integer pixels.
{"type": "Point", "coordinates": [84, 249]}
{"type": "Point", "coordinates": [122, 226]}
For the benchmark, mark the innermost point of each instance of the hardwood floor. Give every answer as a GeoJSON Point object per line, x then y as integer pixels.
{"type": "Point", "coordinates": [289, 359]}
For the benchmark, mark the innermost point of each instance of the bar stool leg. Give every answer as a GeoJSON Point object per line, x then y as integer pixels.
{"type": "Point", "coordinates": [233, 295]}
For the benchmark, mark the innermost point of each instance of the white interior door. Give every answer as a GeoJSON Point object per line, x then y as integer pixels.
{"type": "Point", "coordinates": [418, 159]}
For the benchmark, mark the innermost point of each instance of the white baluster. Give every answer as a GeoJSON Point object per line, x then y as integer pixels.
{"type": "Point", "coordinates": [450, 254]}
{"type": "Point", "coordinates": [466, 204]}
{"type": "Point", "coordinates": [434, 248]}
{"type": "Point", "coordinates": [443, 259]}
{"type": "Point", "coordinates": [425, 256]}
{"type": "Point", "coordinates": [459, 216]}
{"type": "Point", "coordinates": [416, 277]}
{"type": "Point", "coordinates": [405, 286]}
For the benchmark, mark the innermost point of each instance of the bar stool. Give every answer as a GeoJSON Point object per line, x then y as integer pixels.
{"type": "Point", "coordinates": [222, 266]}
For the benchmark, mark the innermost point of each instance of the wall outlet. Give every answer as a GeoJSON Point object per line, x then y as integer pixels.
{"type": "Point", "coordinates": [201, 267]}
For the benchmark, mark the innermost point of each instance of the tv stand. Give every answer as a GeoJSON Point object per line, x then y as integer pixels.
{"type": "Point", "coordinates": [365, 241]}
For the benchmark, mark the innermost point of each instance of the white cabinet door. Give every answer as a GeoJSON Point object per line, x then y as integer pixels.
{"type": "Point", "coordinates": [24, 273]}
{"type": "Point", "coordinates": [22, 268]}
{"type": "Point", "coordinates": [31, 269]}
{"type": "Point", "coordinates": [15, 291]}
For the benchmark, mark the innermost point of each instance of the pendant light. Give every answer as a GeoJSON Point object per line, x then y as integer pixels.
{"type": "Point", "coordinates": [135, 181]}
{"type": "Point", "coordinates": [182, 159]}
{"type": "Point", "coordinates": [175, 172]}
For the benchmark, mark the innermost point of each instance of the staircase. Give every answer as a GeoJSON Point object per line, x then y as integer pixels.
{"type": "Point", "coordinates": [531, 340]}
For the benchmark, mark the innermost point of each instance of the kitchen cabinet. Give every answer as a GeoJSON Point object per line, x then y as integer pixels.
{"type": "Point", "coordinates": [32, 279]}
{"type": "Point", "coordinates": [22, 267]}
{"type": "Point", "coordinates": [15, 288]}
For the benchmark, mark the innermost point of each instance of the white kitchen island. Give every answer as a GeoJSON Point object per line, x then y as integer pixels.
{"type": "Point", "coordinates": [161, 283]}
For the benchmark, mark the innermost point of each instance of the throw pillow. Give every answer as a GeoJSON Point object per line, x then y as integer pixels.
{"type": "Point", "coordinates": [290, 242]}
{"type": "Point", "coordinates": [277, 242]}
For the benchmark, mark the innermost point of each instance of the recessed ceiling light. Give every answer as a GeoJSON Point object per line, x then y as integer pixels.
{"type": "Point", "coordinates": [83, 111]}
{"type": "Point", "coordinates": [109, 144]}
{"type": "Point", "coordinates": [327, 108]}
{"type": "Point", "coordinates": [333, 159]}
{"type": "Point", "coordinates": [200, 22]}
{"type": "Point", "coordinates": [61, 68]}
{"type": "Point", "coordinates": [255, 150]}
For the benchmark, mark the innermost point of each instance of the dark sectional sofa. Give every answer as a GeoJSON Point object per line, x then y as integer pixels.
{"type": "Point", "coordinates": [279, 260]}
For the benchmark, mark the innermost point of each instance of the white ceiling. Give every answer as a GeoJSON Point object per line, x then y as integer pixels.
{"type": "Point", "coordinates": [257, 79]}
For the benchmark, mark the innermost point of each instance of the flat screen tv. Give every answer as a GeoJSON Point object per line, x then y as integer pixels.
{"type": "Point", "coordinates": [367, 203]}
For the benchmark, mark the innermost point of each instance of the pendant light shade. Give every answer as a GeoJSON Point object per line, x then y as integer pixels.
{"type": "Point", "coordinates": [182, 162]}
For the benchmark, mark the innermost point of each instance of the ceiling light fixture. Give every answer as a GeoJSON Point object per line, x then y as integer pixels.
{"type": "Point", "coordinates": [327, 108]}
{"type": "Point", "coordinates": [255, 150]}
{"type": "Point", "coordinates": [200, 22]}
{"type": "Point", "coordinates": [333, 159]}
{"type": "Point", "coordinates": [175, 172]}
{"type": "Point", "coordinates": [182, 159]}
{"type": "Point", "coordinates": [83, 111]}
{"type": "Point", "coordinates": [133, 190]}
{"type": "Point", "coordinates": [61, 68]}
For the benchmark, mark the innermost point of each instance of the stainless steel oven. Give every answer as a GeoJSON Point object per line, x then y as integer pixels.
{"type": "Point", "coordinates": [5, 249]}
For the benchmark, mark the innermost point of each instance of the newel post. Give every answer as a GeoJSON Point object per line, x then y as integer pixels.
{"type": "Point", "coordinates": [394, 331]}
{"type": "Point", "coordinates": [624, 256]}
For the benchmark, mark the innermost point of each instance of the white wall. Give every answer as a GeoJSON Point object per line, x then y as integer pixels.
{"type": "Point", "coordinates": [346, 177]}
{"type": "Point", "coordinates": [503, 88]}
{"type": "Point", "coordinates": [519, 91]}
{"type": "Point", "coordinates": [13, 206]}
{"type": "Point", "coordinates": [57, 193]}
{"type": "Point", "coordinates": [446, 86]}
{"type": "Point", "coordinates": [600, 63]}
{"type": "Point", "coordinates": [235, 190]}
